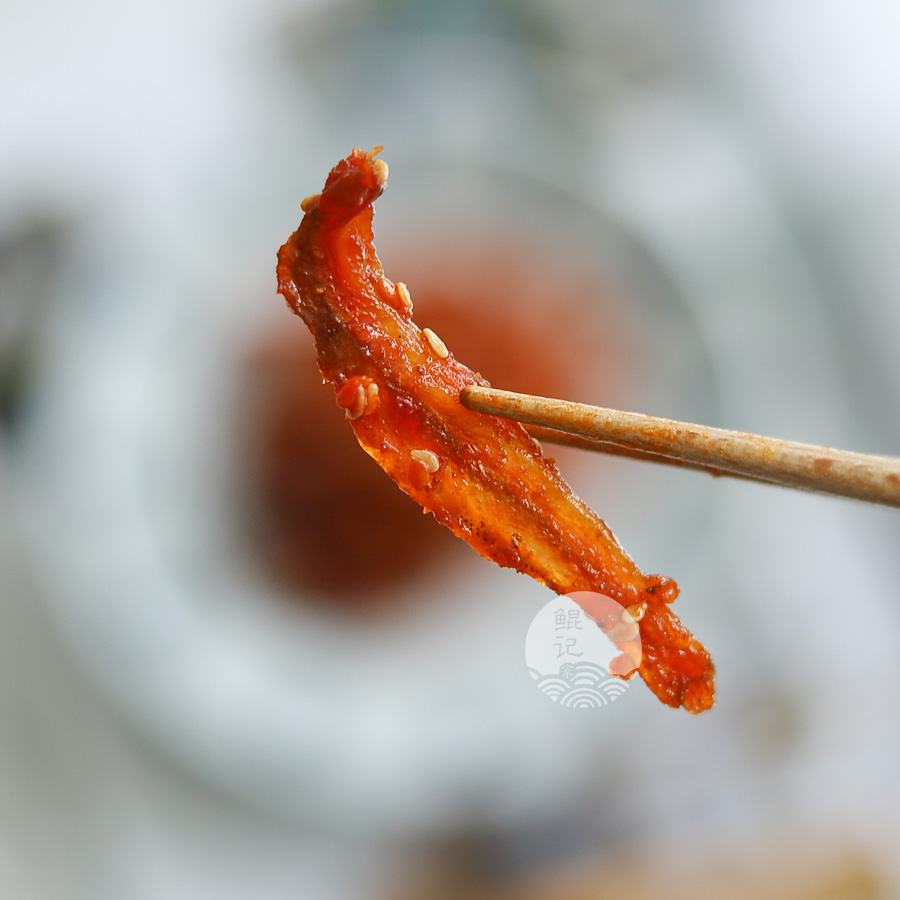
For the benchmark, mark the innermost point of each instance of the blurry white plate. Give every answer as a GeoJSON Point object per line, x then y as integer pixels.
{"type": "Point", "coordinates": [425, 719]}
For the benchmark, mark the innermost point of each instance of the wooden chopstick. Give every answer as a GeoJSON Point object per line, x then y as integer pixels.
{"type": "Point", "coordinates": [875, 479]}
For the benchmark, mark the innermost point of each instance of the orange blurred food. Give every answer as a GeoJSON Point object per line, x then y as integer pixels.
{"type": "Point", "coordinates": [523, 321]}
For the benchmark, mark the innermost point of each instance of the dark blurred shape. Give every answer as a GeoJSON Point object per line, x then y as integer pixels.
{"type": "Point", "coordinates": [327, 519]}
{"type": "Point", "coordinates": [802, 872]}
{"type": "Point", "coordinates": [29, 265]}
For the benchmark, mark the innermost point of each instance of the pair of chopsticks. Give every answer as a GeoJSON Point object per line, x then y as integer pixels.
{"type": "Point", "coordinates": [875, 479]}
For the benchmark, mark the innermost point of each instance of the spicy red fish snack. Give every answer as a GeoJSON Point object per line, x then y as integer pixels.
{"type": "Point", "coordinates": [482, 476]}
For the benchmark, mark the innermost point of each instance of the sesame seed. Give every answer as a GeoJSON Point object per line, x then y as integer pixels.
{"type": "Point", "coordinates": [358, 403]}
{"type": "Point", "coordinates": [637, 610]}
{"type": "Point", "coordinates": [381, 171]}
{"type": "Point", "coordinates": [427, 458]}
{"type": "Point", "coordinates": [371, 398]}
{"type": "Point", "coordinates": [626, 629]}
{"type": "Point", "coordinates": [403, 294]}
{"type": "Point", "coordinates": [436, 344]}
{"type": "Point", "coordinates": [307, 202]}
{"type": "Point", "coordinates": [352, 398]}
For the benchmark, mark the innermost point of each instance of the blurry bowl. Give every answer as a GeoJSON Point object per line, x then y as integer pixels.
{"type": "Point", "coordinates": [421, 717]}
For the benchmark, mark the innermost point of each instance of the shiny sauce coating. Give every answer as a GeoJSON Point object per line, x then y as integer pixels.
{"type": "Point", "coordinates": [481, 476]}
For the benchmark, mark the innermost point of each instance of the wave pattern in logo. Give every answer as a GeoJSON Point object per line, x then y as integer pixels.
{"type": "Point", "coordinates": [581, 685]}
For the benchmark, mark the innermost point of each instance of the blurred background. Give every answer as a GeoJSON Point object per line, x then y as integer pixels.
{"type": "Point", "coordinates": [689, 211]}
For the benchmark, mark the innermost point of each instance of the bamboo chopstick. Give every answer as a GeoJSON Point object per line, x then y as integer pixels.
{"type": "Point", "coordinates": [875, 479]}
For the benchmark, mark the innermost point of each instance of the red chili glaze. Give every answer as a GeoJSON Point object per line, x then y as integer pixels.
{"type": "Point", "coordinates": [481, 476]}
